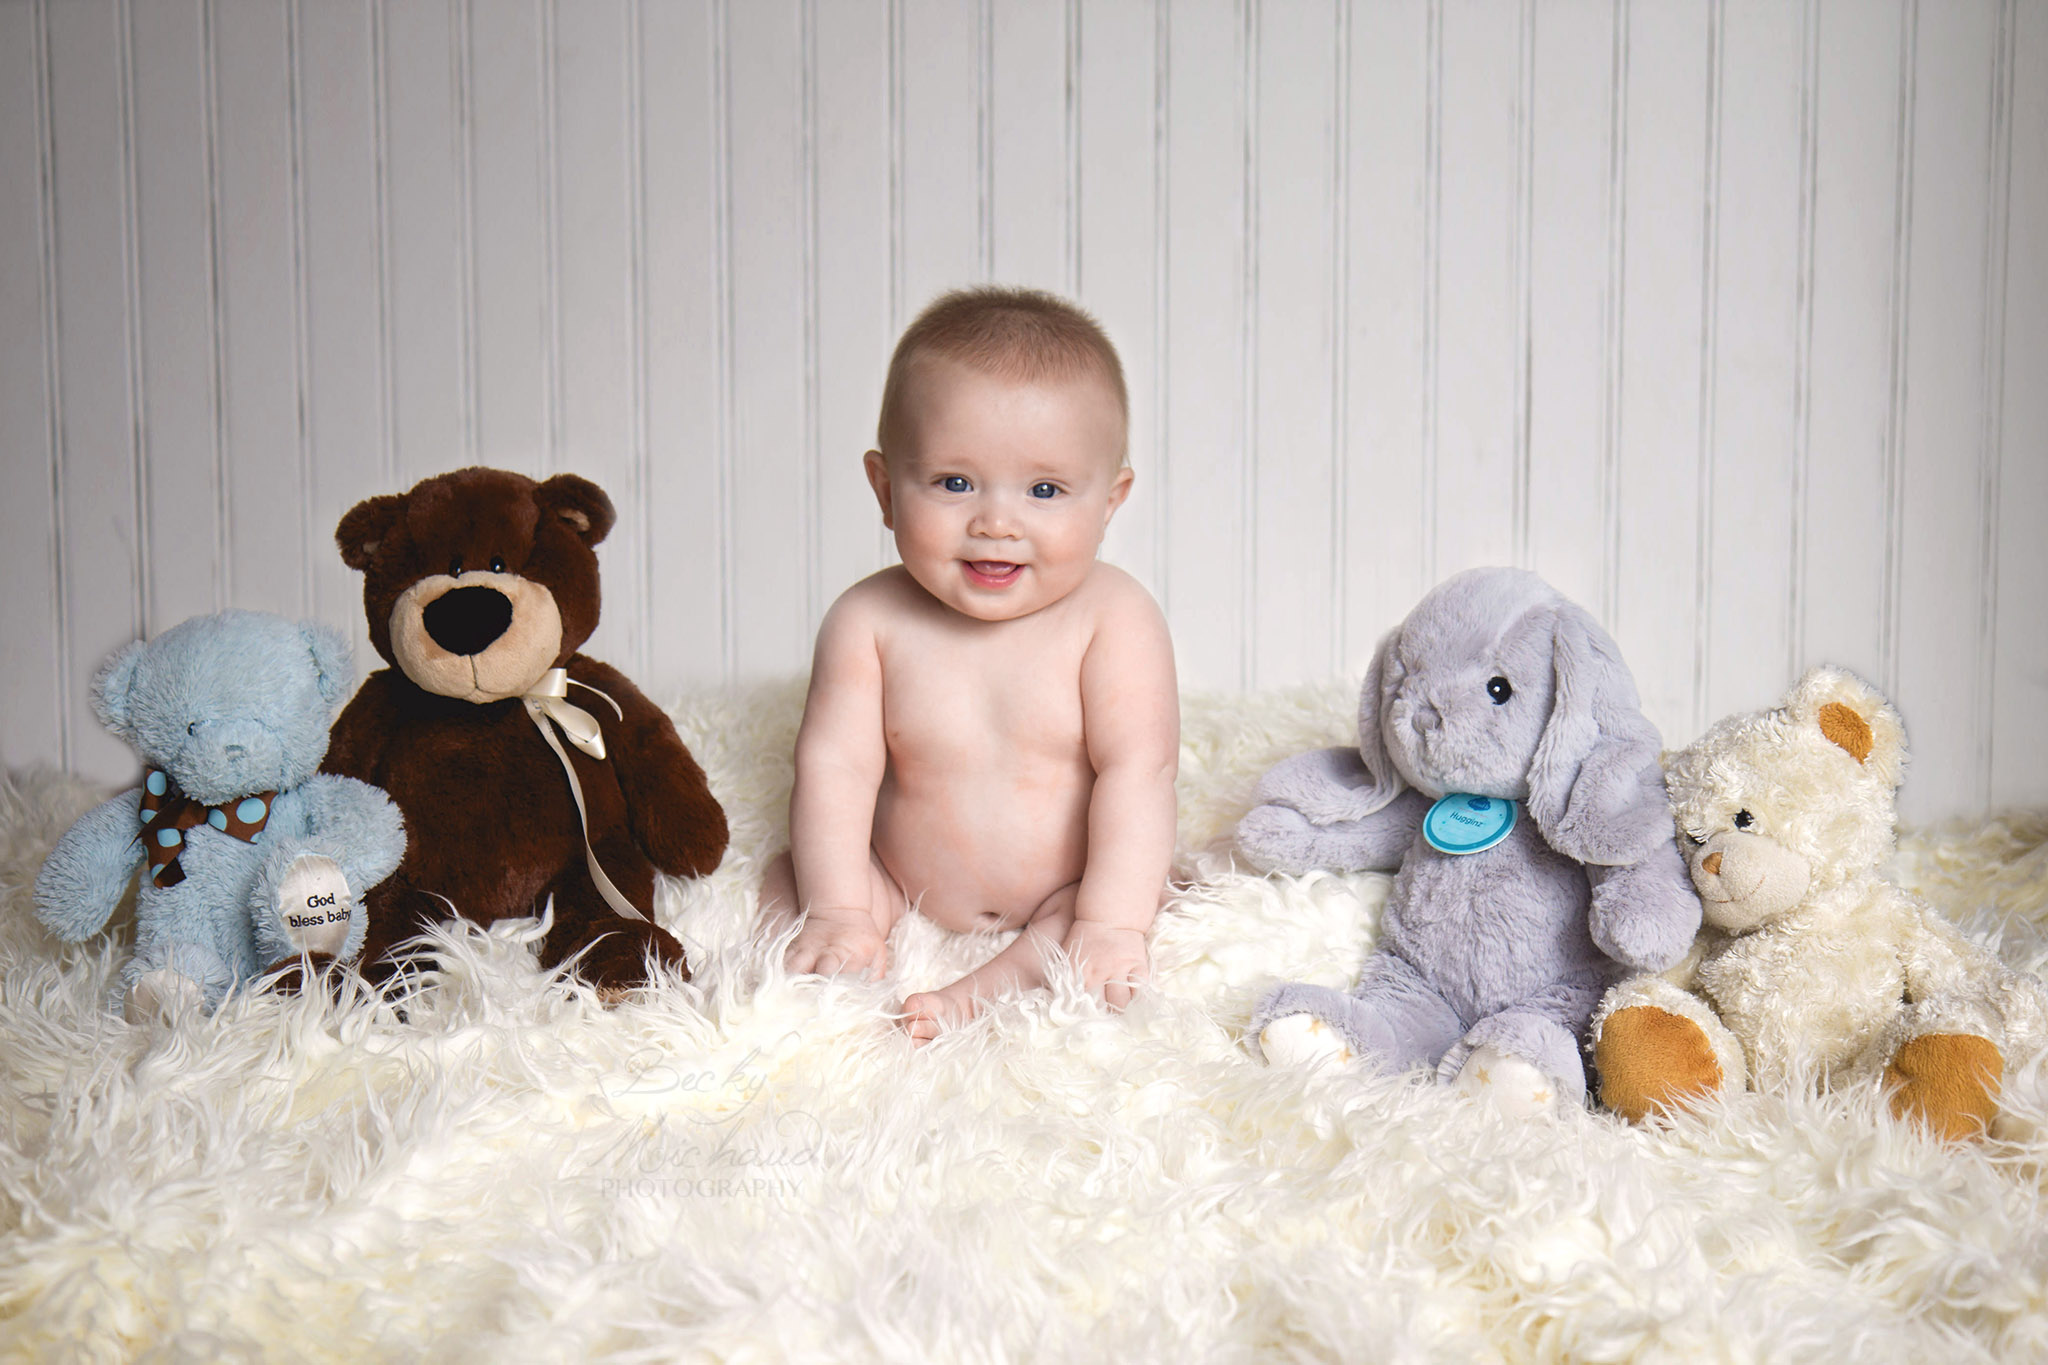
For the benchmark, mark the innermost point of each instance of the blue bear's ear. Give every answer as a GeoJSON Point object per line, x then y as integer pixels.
{"type": "Point", "coordinates": [111, 686]}
{"type": "Point", "coordinates": [330, 652]}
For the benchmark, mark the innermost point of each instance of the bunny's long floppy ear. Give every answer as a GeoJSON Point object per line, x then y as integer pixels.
{"type": "Point", "coordinates": [1595, 789]}
{"type": "Point", "coordinates": [1387, 782]}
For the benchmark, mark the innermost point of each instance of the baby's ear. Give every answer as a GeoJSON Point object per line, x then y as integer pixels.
{"type": "Point", "coordinates": [877, 466]}
{"type": "Point", "coordinates": [579, 504]}
{"type": "Point", "coordinates": [111, 687]}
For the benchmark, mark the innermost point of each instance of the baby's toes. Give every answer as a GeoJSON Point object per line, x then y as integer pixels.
{"type": "Point", "coordinates": [921, 1018]}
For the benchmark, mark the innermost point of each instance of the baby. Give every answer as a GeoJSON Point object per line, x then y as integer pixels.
{"type": "Point", "coordinates": [993, 725]}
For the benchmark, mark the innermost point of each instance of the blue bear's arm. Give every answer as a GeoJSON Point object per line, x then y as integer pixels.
{"type": "Point", "coordinates": [86, 874]}
{"type": "Point", "coordinates": [1277, 836]}
{"type": "Point", "coordinates": [351, 822]}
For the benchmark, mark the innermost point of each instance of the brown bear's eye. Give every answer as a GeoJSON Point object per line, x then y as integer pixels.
{"type": "Point", "coordinates": [455, 567]}
{"type": "Point", "coordinates": [1500, 689]}
{"type": "Point", "coordinates": [1743, 819]}
{"type": "Point", "coordinates": [497, 565]}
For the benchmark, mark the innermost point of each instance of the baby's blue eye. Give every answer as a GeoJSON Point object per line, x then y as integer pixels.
{"type": "Point", "coordinates": [954, 483]}
{"type": "Point", "coordinates": [1045, 490]}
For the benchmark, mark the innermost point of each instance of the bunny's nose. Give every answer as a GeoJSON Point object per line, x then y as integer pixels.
{"type": "Point", "coordinates": [1711, 864]}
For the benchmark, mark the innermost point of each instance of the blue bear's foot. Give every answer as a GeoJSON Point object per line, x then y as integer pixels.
{"type": "Point", "coordinates": [305, 908]}
{"type": "Point", "coordinates": [161, 994]}
{"type": "Point", "coordinates": [171, 978]}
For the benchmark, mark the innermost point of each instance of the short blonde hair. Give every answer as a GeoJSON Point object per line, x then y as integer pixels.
{"type": "Point", "coordinates": [1024, 335]}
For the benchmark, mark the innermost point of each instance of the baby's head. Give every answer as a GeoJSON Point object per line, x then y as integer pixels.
{"type": "Point", "coordinates": [1000, 456]}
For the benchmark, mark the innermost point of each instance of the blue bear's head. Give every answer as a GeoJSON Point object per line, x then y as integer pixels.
{"type": "Point", "coordinates": [228, 704]}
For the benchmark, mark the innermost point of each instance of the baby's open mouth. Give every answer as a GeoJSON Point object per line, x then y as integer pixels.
{"type": "Point", "coordinates": [993, 573]}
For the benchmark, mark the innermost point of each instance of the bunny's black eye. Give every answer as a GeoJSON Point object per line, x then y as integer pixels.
{"type": "Point", "coordinates": [497, 564]}
{"type": "Point", "coordinates": [1499, 689]}
{"type": "Point", "coordinates": [455, 567]}
{"type": "Point", "coordinates": [1743, 819]}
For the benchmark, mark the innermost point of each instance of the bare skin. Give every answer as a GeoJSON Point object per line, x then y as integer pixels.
{"type": "Point", "coordinates": [992, 728]}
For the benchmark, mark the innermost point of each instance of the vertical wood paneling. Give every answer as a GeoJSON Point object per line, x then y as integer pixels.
{"type": "Point", "coordinates": [1479, 309]}
{"type": "Point", "coordinates": [1384, 558]}
{"type": "Point", "coordinates": [1028, 134]}
{"type": "Point", "coordinates": [1723, 315]}
{"type": "Point", "coordinates": [1855, 221]}
{"type": "Point", "coordinates": [1755, 328]}
{"type": "Point", "coordinates": [852, 322]}
{"type": "Point", "coordinates": [1293, 442]}
{"type": "Point", "coordinates": [2020, 678]}
{"type": "Point", "coordinates": [508, 257]}
{"type": "Point", "coordinates": [1118, 247]}
{"type": "Point", "coordinates": [1942, 454]}
{"type": "Point", "coordinates": [1665, 173]}
{"type": "Point", "coordinates": [261, 436]}
{"type": "Point", "coordinates": [423, 186]}
{"type": "Point", "coordinates": [679, 122]}
{"type": "Point", "coordinates": [942, 214]}
{"type": "Point", "coordinates": [594, 261]}
{"type": "Point", "coordinates": [96, 427]}
{"type": "Point", "coordinates": [187, 565]}
{"type": "Point", "coordinates": [1570, 207]}
{"type": "Point", "coordinates": [34, 678]}
{"type": "Point", "coordinates": [1207, 304]}
{"type": "Point", "coordinates": [771, 424]}
{"type": "Point", "coordinates": [343, 399]}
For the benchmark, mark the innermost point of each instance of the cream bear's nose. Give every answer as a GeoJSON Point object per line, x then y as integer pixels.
{"type": "Point", "coordinates": [1711, 864]}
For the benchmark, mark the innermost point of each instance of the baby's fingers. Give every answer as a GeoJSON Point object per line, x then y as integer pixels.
{"type": "Point", "coordinates": [1116, 994]}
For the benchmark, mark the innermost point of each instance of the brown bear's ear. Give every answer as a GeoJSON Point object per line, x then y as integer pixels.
{"type": "Point", "coordinates": [579, 503]}
{"type": "Point", "coordinates": [364, 527]}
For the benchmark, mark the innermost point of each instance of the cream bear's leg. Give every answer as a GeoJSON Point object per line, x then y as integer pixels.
{"type": "Point", "coordinates": [1655, 1047]}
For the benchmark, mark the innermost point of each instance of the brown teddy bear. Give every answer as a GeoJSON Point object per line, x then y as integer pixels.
{"type": "Point", "coordinates": [479, 586]}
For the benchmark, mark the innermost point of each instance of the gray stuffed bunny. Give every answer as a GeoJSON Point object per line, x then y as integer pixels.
{"type": "Point", "coordinates": [1505, 767]}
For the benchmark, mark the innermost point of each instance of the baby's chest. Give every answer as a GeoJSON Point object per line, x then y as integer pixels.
{"type": "Point", "coordinates": [963, 707]}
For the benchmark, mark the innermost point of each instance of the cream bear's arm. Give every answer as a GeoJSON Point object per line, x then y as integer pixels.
{"type": "Point", "coordinates": [1951, 983]}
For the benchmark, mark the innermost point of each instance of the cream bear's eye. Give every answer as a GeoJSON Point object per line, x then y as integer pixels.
{"type": "Point", "coordinates": [1743, 819]}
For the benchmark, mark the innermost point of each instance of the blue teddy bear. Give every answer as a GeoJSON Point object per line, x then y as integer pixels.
{"type": "Point", "coordinates": [249, 856]}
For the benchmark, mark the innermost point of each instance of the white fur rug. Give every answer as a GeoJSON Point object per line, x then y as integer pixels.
{"type": "Point", "coordinates": [754, 1168]}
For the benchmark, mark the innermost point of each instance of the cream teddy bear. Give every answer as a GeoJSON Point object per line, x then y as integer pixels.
{"type": "Point", "coordinates": [1811, 968]}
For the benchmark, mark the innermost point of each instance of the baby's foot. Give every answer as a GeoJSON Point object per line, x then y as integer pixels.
{"type": "Point", "coordinates": [833, 942]}
{"type": "Point", "coordinates": [929, 1013]}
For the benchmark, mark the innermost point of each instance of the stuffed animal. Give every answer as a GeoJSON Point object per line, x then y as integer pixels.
{"type": "Point", "coordinates": [1812, 968]}
{"type": "Point", "coordinates": [530, 776]}
{"type": "Point", "coordinates": [249, 859]}
{"type": "Point", "coordinates": [1504, 766]}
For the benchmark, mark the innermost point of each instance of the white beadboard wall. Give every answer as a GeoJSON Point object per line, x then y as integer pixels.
{"type": "Point", "coordinates": [1728, 316]}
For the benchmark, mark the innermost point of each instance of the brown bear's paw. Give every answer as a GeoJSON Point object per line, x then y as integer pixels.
{"type": "Point", "coordinates": [615, 963]}
{"type": "Point", "coordinates": [1949, 1081]}
{"type": "Point", "coordinates": [1651, 1061]}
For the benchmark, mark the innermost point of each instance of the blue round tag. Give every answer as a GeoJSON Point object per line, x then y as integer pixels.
{"type": "Point", "coordinates": [1461, 823]}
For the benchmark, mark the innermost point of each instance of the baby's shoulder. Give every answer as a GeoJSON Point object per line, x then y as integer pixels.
{"type": "Point", "coordinates": [1113, 596]}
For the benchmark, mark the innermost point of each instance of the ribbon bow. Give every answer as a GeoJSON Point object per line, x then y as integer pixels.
{"type": "Point", "coordinates": [167, 813]}
{"type": "Point", "coordinates": [548, 700]}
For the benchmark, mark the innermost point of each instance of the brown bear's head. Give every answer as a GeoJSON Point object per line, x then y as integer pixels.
{"type": "Point", "coordinates": [478, 582]}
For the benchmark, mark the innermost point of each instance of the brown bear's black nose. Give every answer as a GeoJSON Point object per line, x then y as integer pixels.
{"type": "Point", "coordinates": [466, 620]}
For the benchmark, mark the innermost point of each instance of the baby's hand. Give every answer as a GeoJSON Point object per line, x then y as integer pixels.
{"type": "Point", "coordinates": [1112, 960]}
{"type": "Point", "coordinates": [835, 940]}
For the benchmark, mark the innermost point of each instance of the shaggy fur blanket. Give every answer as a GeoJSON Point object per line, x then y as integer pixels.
{"type": "Point", "coordinates": [496, 1166]}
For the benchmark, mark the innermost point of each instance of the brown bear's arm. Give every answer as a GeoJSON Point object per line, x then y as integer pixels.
{"type": "Point", "coordinates": [355, 747]}
{"type": "Point", "coordinates": [674, 817]}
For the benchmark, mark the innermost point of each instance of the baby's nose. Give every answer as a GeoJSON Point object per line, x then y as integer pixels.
{"type": "Point", "coordinates": [992, 520]}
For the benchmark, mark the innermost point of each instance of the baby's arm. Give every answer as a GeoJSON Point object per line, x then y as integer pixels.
{"type": "Point", "coordinates": [840, 759]}
{"type": "Point", "coordinates": [1130, 705]}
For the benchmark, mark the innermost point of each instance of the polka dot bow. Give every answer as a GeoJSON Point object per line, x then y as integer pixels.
{"type": "Point", "coordinates": [167, 813]}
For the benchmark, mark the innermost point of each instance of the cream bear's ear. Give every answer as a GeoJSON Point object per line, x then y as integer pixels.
{"type": "Point", "coordinates": [1853, 716]}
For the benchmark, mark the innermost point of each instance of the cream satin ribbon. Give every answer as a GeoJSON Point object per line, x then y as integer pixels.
{"type": "Point", "coordinates": [548, 701]}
